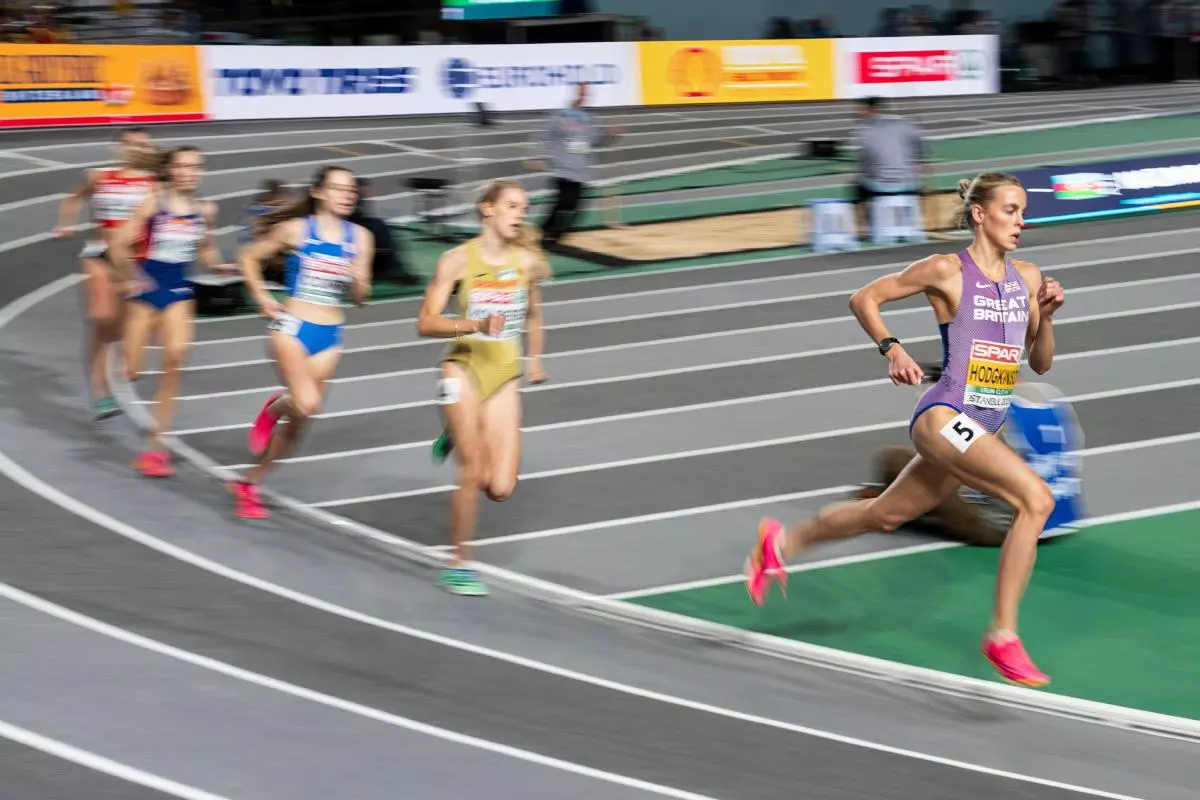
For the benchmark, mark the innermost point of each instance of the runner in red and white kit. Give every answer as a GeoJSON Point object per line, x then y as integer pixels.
{"type": "Point", "coordinates": [114, 193]}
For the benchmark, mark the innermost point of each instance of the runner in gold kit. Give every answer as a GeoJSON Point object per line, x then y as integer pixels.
{"type": "Point", "coordinates": [497, 276]}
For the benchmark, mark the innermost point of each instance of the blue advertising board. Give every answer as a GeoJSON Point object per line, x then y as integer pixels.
{"type": "Point", "coordinates": [1043, 429]}
{"type": "Point", "coordinates": [1111, 188]}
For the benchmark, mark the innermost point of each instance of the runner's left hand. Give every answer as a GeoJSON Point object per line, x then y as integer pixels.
{"type": "Point", "coordinates": [1049, 297]}
{"type": "Point", "coordinates": [535, 373]}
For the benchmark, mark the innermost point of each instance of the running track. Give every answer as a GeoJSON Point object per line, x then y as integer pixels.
{"type": "Point", "coordinates": [181, 653]}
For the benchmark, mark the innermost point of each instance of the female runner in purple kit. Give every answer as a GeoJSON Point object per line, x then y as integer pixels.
{"type": "Point", "coordinates": [988, 319]}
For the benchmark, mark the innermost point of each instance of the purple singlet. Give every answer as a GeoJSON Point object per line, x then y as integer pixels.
{"type": "Point", "coordinates": [981, 347]}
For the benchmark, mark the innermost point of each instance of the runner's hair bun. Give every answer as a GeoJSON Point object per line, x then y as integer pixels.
{"type": "Point", "coordinates": [963, 186]}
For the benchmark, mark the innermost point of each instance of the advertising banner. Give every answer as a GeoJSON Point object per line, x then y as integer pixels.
{"type": "Point", "coordinates": [50, 85]}
{"type": "Point", "coordinates": [736, 71]}
{"type": "Point", "coordinates": [300, 82]}
{"type": "Point", "coordinates": [917, 66]}
{"type": "Point", "coordinates": [1111, 188]}
{"type": "Point", "coordinates": [530, 77]}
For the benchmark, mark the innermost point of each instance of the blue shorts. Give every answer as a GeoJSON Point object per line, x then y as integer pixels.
{"type": "Point", "coordinates": [315, 338]}
{"type": "Point", "coordinates": [170, 285]}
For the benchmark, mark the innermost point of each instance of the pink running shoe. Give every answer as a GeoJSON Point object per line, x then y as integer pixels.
{"type": "Point", "coordinates": [154, 464]}
{"type": "Point", "coordinates": [263, 428]}
{"type": "Point", "coordinates": [1009, 658]}
{"type": "Point", "coordinates": [766, 561]}
{"type": "Point", "coordinates": [249, 503]}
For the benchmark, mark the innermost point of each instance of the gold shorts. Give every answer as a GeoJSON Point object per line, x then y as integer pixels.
{"type": "Point", "coordinates": [489, 365]}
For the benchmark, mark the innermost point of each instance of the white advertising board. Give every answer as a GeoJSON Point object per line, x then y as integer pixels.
{"type": "Point", "coordinates": [917, 66]}
{"type": "Point", "coordinates": [319, 82]}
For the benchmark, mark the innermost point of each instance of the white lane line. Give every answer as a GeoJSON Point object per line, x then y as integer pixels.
{"type": "Point", "coordinates": [330, 701]}
{"type": "Point", "coordinates": [821, 389]}
{"type": "Point", "coordinates": [677, 340]}
{"type": "Point", "coordinates": [926, 547]}
{"type": "Point", "coordinates": [417, 128]}
{"type": "Point", "coordinates": [32, 201]}
{"type": "Point", "coordinates": [802, 256]}
{"type": "Point", "coordinates": [663, 314]}
{"type": "Point", "coordinates": [416, 300]}
{"type": "Point", "coordinates": [784, 326]}
{"type": "Point", "coordinates": [754, 502]}
{"type": "Point", "coordinates": [86, 758]}
{"type": "Point", "coordinates": [678, 371]}
{"type": "Point", "coordinates": [741, 304]}
{"type": "Point", "coordinates": [24, 478]}
{"type": "Point", "coordinates": [679, 455]}
{"type": "Point", "coordinates": [374, 376]}
{"type": "Point", "coordinates": [691, 511]}
{"type": "Point", "coordinates": [41, 162]}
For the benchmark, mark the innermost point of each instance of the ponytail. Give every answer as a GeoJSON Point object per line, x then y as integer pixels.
{"type": "Point", "coordinates": [302, 206]}
{"type": "Point", "coordinates": [150, 159]}
{"type": "Point", "coordinates": [530, 239]}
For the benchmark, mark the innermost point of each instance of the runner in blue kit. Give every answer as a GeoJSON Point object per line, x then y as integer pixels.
{"type": "Point", "coordinates": [329, 260]}
{"type": "Point", "coordinates": [172, 231]}
{"type": "Point", "coordinates": [991, 309]}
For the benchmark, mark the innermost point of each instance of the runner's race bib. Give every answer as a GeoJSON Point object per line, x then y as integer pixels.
{"type": "Point", "coordinates": [285, 323]}
{"type": "Point", "coordinates": [578, 145]}
{"type": "Point", "coordinates": [992, 369]}
{"type": "Point", "coordinates": [507, 298]}
{"type": "Point", "coordinates": [323, 281]}
{"type": "Point", "coordinates": [118, 200]}
{"type": "Point", "coordinates": [176, 241]}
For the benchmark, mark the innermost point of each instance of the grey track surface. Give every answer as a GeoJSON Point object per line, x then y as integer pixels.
{"type": "Point", "coordinates": [239, 739]}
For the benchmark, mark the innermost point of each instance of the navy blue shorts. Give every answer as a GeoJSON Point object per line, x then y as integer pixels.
{"type": "Point", "coordinates": [170, 285]}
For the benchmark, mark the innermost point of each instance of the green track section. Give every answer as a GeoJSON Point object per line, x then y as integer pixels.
{"type": "Point", "coordinates": [1110, 614]}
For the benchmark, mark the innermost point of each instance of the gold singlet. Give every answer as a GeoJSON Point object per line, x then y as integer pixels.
{"type": "Point", "coordinates": [491, 361]}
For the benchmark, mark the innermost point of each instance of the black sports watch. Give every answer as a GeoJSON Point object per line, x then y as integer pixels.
{"type": "Point", "coordinates": [886, 344]}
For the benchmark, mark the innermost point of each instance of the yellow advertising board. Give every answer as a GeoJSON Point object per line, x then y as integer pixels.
{"type": "Point", "coordinates": [736, 71]}
{"type": "Point", "coordinates": [43, 85]}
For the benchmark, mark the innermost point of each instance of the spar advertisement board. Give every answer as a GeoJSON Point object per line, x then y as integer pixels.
{"type": "Point", "coordinates": [298, 82]}
{"type": "Point", "coordinates": [917, 66]}
{"type": "Point", "coordinates": [1111, 188]}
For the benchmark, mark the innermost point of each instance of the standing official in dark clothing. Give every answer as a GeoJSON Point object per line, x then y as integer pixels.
{"type": "Point", "coordinates": [567, 146]}
{"type": "Point", "coordinates": [389, 262]}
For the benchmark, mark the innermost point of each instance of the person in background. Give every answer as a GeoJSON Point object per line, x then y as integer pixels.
{"type": "Point", "coordinates": [891, 156]}
{"type": "Point", "coordinates": [567, 145]}
{"type": "Point", "coordinates": [273, 194]}
{"type": "Point", "coordinates": [389, 262]}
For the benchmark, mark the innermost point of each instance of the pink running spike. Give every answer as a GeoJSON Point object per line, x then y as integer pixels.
{"type": "Point", "coordinates": [248, 503]}
{"type": "Point", "coordinates": [259, 437]}
{"type": "Point", "coordinates": [154, 464]}
{"type": "Point", "coordinates": [766, 562]}
{"type": "Point", "coordinates": [1012, 662]}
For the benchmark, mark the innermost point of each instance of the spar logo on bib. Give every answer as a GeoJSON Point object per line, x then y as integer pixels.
{"type": "Point", "coordinates": [991, 374]}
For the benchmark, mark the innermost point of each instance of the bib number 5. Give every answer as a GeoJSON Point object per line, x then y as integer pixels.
{"type": "Point", "coordinates": [962, 432]}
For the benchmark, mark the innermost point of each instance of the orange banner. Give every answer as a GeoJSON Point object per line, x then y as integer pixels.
{"type": "Point", "coordinates": [44, 85]}
{"type": "Point", "coordinates": [752, 71]}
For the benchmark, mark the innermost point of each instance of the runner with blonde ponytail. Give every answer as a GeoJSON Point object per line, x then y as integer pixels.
{"type": "Point", "coordinates": [498, 297]}
{"type": "Point", "coordinates": [992, 310]}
